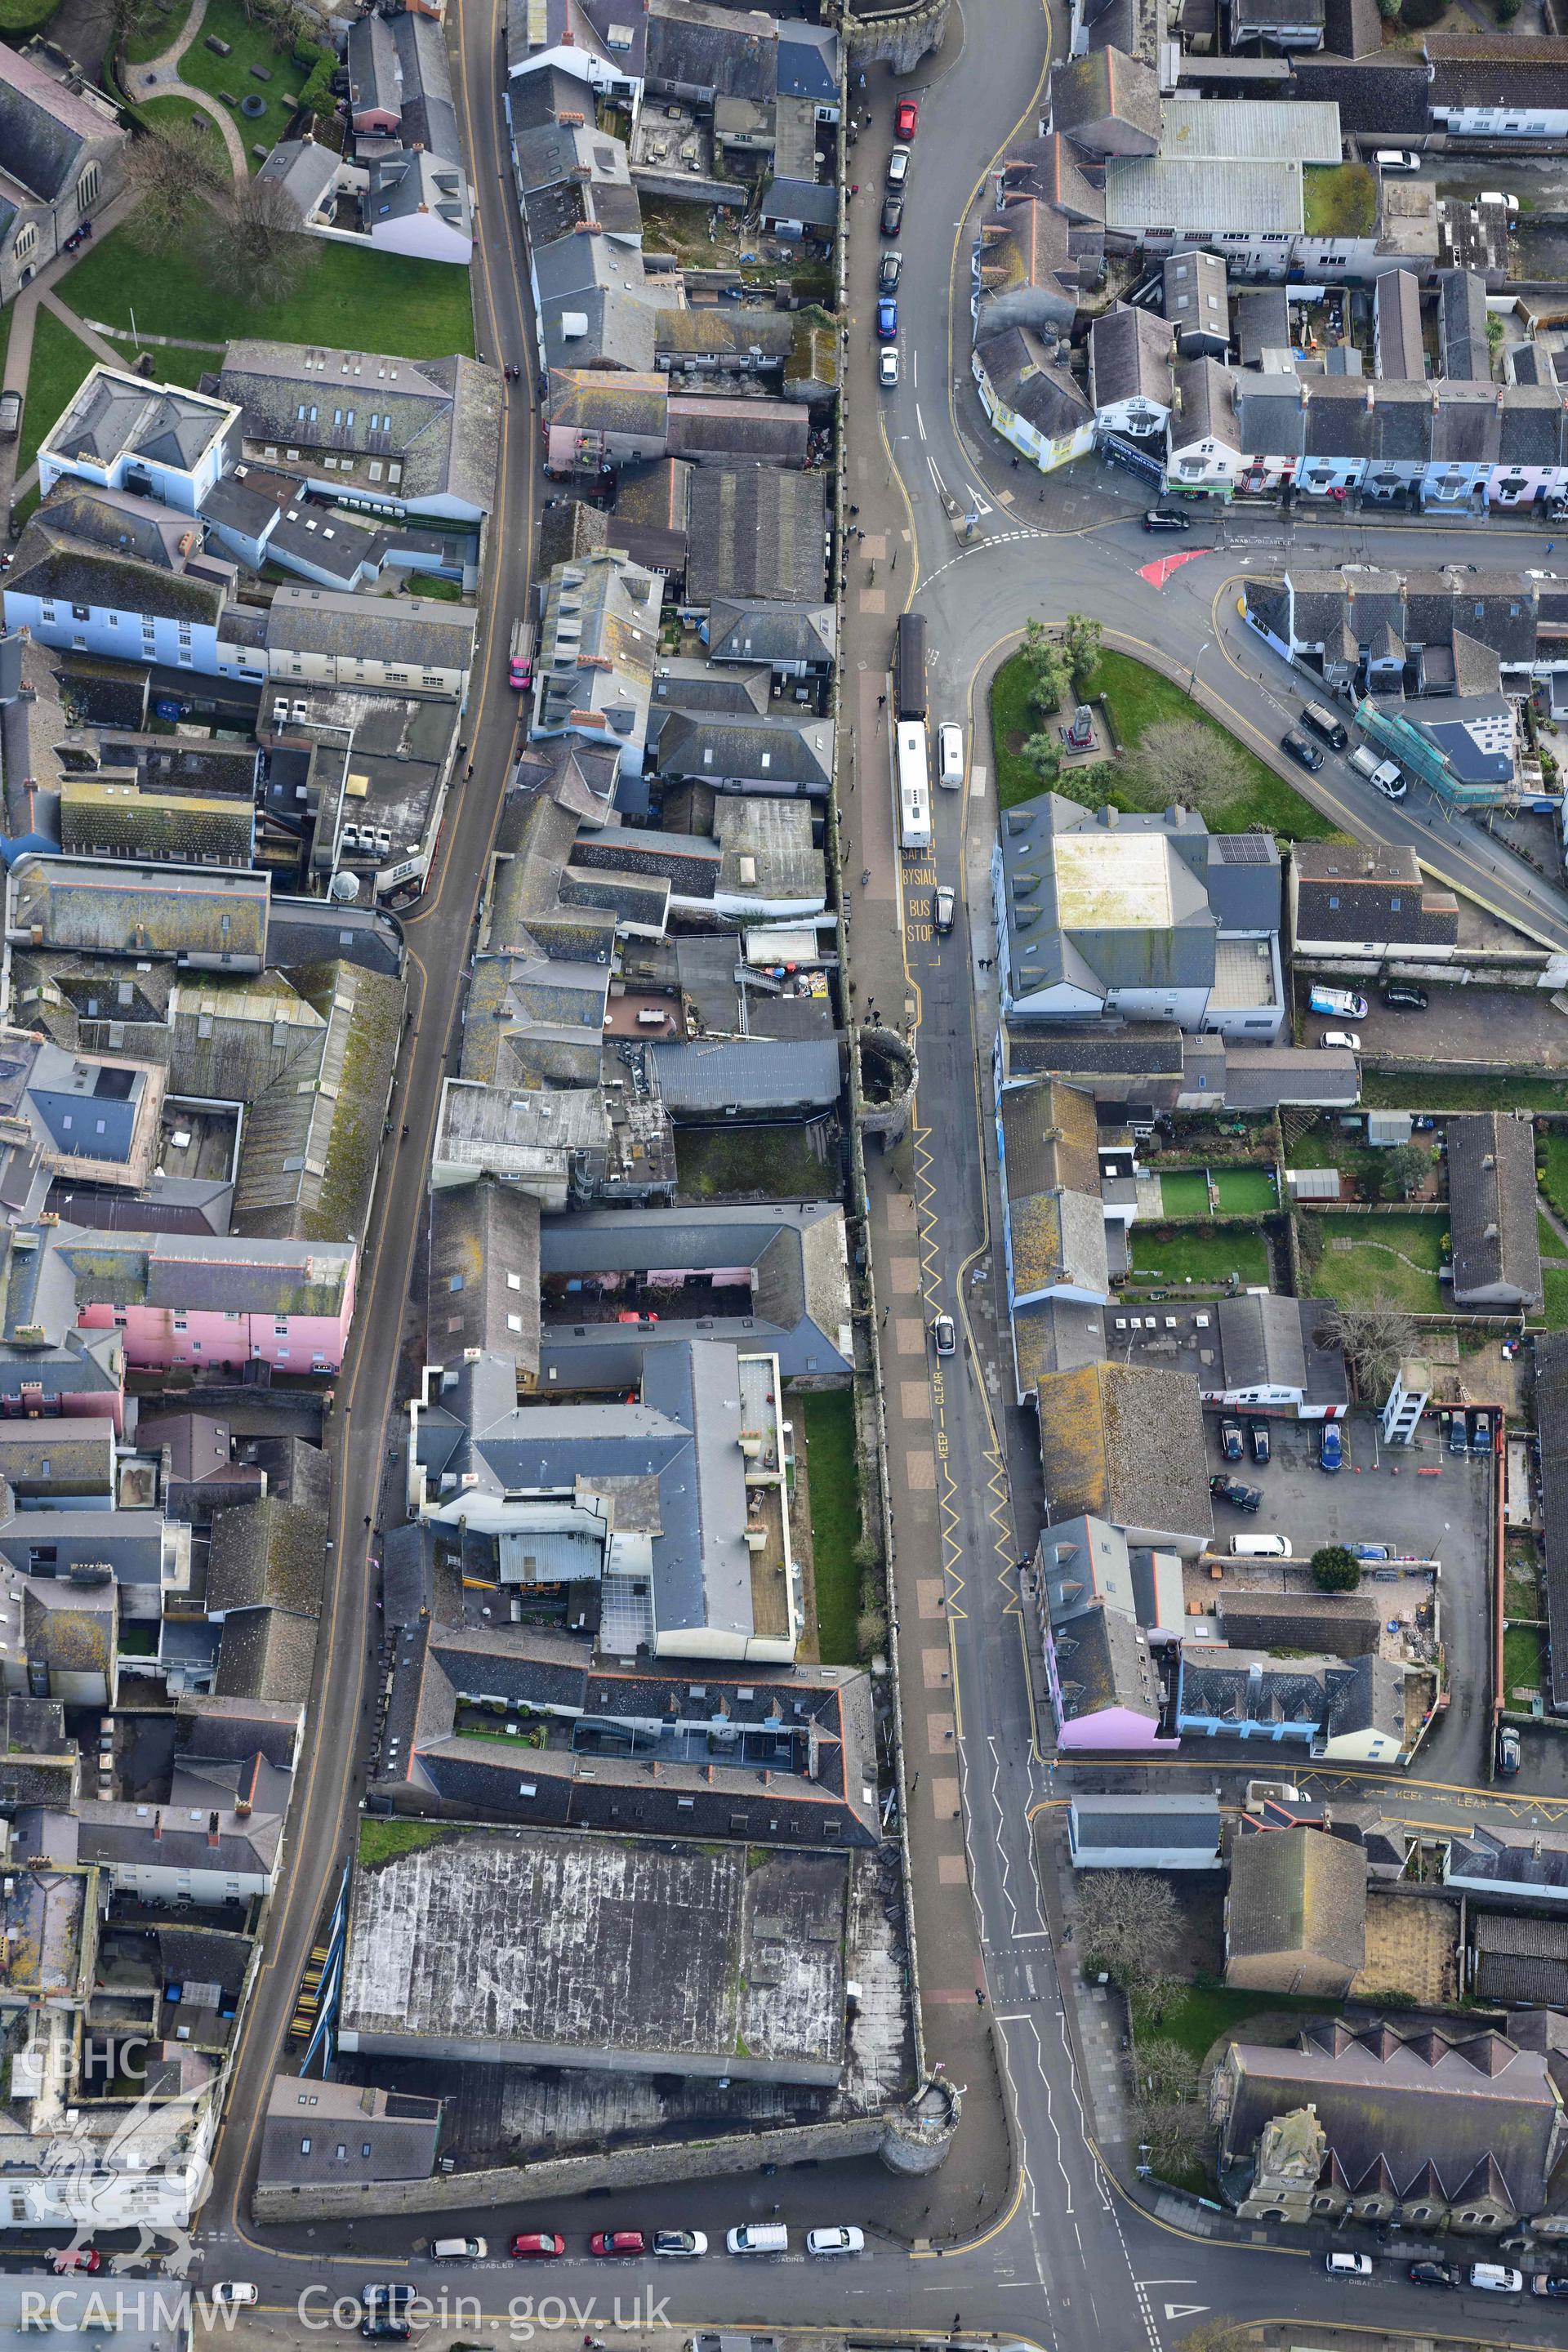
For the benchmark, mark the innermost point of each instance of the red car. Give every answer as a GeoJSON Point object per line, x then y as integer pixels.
{"type": "Point", "coordinates": [617, 2242]}
{"type": "Point", "coordinates": [906, 117]}
{"type": "Point", "coordinates": [84, 2258]}
{"type": "Point", "coordinates": [542, 2244]}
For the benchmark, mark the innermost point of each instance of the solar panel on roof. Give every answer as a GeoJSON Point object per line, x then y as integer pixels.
{"type": "Point", "coordinates": [1243, 848]}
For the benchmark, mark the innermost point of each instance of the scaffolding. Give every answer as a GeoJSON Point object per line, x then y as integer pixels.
{"type": "Point", "coordinates": [1416, 753]}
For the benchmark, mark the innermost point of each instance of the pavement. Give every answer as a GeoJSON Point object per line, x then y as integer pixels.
{"type": "Point", "coordinates": [159, 79]}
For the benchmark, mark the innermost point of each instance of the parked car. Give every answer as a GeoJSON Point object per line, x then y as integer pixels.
{"type": "Point", "coordinates": [886, 318]}
{"type": "Point", "coordinates": [75, 2258]}
{"type": "Point", "coordinates": [944, 1335]}
{"type": "Point", "coordinates": [10, 416]}
{"type": "Point", "coordinates": [538, 2246]}
{"type": "Point", "coordinates": [846, 2239]}
{"type": "Point", "coordinates": [906, 116]}
{"type": "Point", "coordinates": [1481, 1434]}
{"type": "Point", "coordinates": [1507, 1751]}
{"type": "Point", "coordinates": [1325, 724]}
{"type": "Point", "coordinates": [1230, 1444]}
{"type": "Point", "coordinates": [950, 754]}
{"type": "Point", "coordinates": [617, 2242]}
{"type": "Point", "coordinates": [889, 270]}
{"type": "Point", "coordinates": [1342, 1001]}
{"type": "Point", "coordinates": [680, 2241]}
{"type": "Point", "coordinates": [899, 167]}
{"type": "Point", "coordinates": [1330, 1448]}
{"type": "Point", "coordinates": [892, 214]}
{"type": "Point", "coordinates": [233, 2294]}
{"type": "Point", "coordinates": [1496, 2278]}
{"type": "Point", "coordinates": [1396, 159]}
{"type": "Point", "coordinates": [1306, 755]}
{"type": "Point", "coordinates": [1370, 1551]}
{"type": "Point", "coordinates": [1347, 2265]}
{"type": "Point", "coordinates": [941, 908]}
{"type": "Point", "coordinates": [1166, 519]}
{"type": "Point", "coordinates": [1434, 2275]}
{"type": "Point", "coordinates": [1458, 1437]}
{"type": "Point", "coordinates": [1347, 1040]}
{"type": "Point", "coordinates": [458, 2249]}
{"type": "Point", "coordinates": [1232, 1491]}
{"type": "Point", "coordinates": [1257, 1437]}
{"type": "Point", "coordinates": [1403, 996]}
{"type": "Point", "coordinates": [887, 366]}
{"type": "Point", "coordinates": [1495, 196]}
{"type": "Point", "coordinates": [1543, 2282]}
{"type": "Point", "coordinates": [385, 2331]}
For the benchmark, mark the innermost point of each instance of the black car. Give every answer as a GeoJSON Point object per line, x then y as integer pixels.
{"type": "Point", "coordinates": [1232, 1491]}
{"type": "Point", "coordinates": [1166, 519]}
{"type": "Point", "coordinates": [1400, 997]}
{"type": "Point", "coordinates": [892, 213]}
{"type": "Point", "coordinates": [1307, 754]}
{"type": "Point", "coordinates": [890, 271]}
{"type": "Point", "coordinates": [1258, 1431]}
{"type": "Point", "coordinates": [384, 2331]}
{"type": "Point", "coordinates": [1434, 2275]}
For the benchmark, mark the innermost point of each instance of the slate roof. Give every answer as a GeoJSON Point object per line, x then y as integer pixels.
{"type": "Point", "coordinates": [383, 2134]}
{"type": "Point", "coordinates": [1124, 1442]}
{"type": "Point", "coordinates": [709, 1076]}
{"type": "Point", "coordinates": [1462, 325]}
{"type": "Point", "coordinates": [1262, 321]}
{"type": "Point", "coordinates": [693, 44]}
{"type": "Point", "coordinates": [404, 631]}
{"type": "Point", "coordinates": [1204, 405]}
{"type": "Point", "coordinates": [1383, 96]}
{"type": "Point", "coordinates": [742, 630]}
{"type": "Point", "coordinates": [1349, 892]}
{"type": "Point", "coordinates": [483, 1289]}
{"type": "Point", "coordinates": [1104, 87]}
{"type": "Point", "coordinates": [1402, 2099]}
{"type": "Point", "coordinates": [44, 127]}
{"type": "Point", "coordinates": [1526, 70]}
{"type": "Point", "coordinates": [756, 532]}
{"type": "Point", "coordinates": [1195, 300]}
{"type": "Point", "coordinates": [442, 416]}
{"type": "Point", "coordinates": [1130, 357]}
{"type": "Point", "coordinates": [1027, 380]}
{"type": "Point", "coordinates": [1296, 1895]}
{"type": "Point", "coordinates": [50, 563]}
{"type": "Point", "coordinates": [268, 1555]}
{"type": "Point", "coordinates": [1491, 1204]}
{"type": "Point", "coordinates": [1187, 1823]}
{"type": "Point", "coordinates": [266, 1654]}
{"type": "Point", "coordinates": [1521, 1961]}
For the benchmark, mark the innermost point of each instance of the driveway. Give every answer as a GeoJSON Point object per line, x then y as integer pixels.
{"type": "Point", "coordinates": [1521, 1025]}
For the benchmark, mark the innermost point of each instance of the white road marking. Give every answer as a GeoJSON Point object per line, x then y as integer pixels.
{"type": "Point", "coordinates": [919, 420]}
{"type": "Point", "coordinates": [915, 370]}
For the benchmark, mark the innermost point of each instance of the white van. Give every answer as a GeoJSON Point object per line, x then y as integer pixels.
{"type": "Point", "coordinates": [759, 2238]}
{"type": "Point", "coordinates": [1382, 773]}
{"type": "Point", "coordinates": [457, 2250]}
{"type": "Point", "coordinates": [1260, 1548]}
{"type": "Point", "coordinates": [1496, 2278]}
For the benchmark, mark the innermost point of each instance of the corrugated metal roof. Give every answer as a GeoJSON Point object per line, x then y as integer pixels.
{"type": "Point", "coordinates": [1156, 192]}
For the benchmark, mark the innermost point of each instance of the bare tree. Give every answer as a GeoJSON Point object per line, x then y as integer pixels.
{"type": "Point", "coordinates": [1376, 1338]}
{"type": "Point", "coordinates": [253, 243]}
{"type": "Point", "coordinates": [1167, 2073]}
{"type": "Point", "coordinates": [1171, 2131]}
{"type": "Point", "coordinates": [1181, 759]}
{"type": "Point", "coordinates": [1126, 1924]}
{"type": "Point", "coordinates": [177, 173]}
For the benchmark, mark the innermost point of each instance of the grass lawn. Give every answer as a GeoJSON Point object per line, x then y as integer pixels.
{"type": "Point", "coordinates": [754, 1163]}
{"type": "Point", "coordinates": [1197, 2015]}
{"type": "Point", "coordinates": [1551, 1241]}
{"type": "Point", "coordinates": [1385, 1090]}
{"type": "Point", "coordinates": [1184, 1193]}
{"type": "Point", "coordinates": [252, 45]}
{"type": "Point", "coordinates": [173, 365]}
{"type": "Point", "coordinates": [25, 16]}
{"type": "Point", "coordinates": [61, 361]}
{"type": "Point", "coordinates": [162, 34]}
{"type": "Point", "coordinates": [1522, 1663]}
{"type": "Point", "coordinates": [366, 302]}
{"type": "Point", "coordinates": [1555, 1282]}
{"type": "Point", "coordinates": [158, 112]}
{"type": "Point", "coordinates": [1189, 1254]}
{"type": "Point", "coordinates": [1338, 199]}
{"type": "Point", "coordinates": [1138, 697]}
{"type": "Point", "coordinates": [380, 1840]}
{"type": "Point", "coordinates": [1551, 1157]}
{"type": "Point", "coordinates": [1246, 1192]}
{"type": "Point", "coordinates": [829, 1416]}
{"type": "Point", "coordinates": [1375, 1265]}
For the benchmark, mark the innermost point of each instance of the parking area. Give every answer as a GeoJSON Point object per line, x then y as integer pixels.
{"type": "Point", "coordinates": [1421, 1502]}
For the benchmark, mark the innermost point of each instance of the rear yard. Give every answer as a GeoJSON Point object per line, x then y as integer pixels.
{"type": "Point", "coordinates": [1394, 1259]}
{"type": "Point", "coordinates": [1185, 1254]}
{"type": "Point", "coordinates": [829, 1415]}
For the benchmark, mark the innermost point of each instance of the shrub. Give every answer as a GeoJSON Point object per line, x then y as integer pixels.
{"type": "Point", "coordinates": [1419, 16]}
{"type": "Point", "coordinates": [1335, 1569]}
{"type": "Point", "coordinates": [317, 94]}
{"type": "Point", "coordinates": [871, 1630]}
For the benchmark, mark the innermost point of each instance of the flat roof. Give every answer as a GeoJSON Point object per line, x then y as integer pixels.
{"type": "Point", "coordinates": [1107, 881]}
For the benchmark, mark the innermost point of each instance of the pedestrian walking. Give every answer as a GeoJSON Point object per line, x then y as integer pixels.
{"type": "Point", "coordinates": [881, 702]}
{"type": "Point", "coordinates": [1550, 545]}
{"type": "Point", "coordinates": [467, 771]}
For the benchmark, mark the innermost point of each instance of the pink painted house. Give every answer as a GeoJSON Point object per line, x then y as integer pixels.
{"type": "Point", "coordinates": [1104, 1687]}
{"type": "Point", "coordinates": [204, 1300]}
